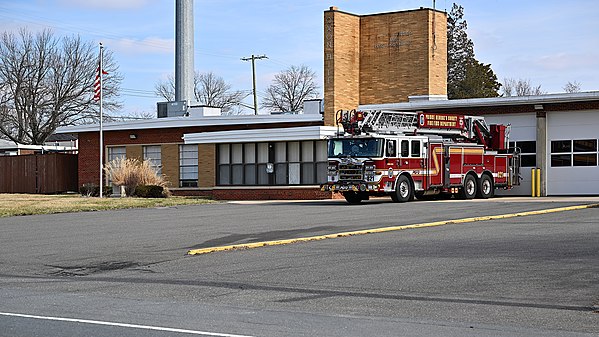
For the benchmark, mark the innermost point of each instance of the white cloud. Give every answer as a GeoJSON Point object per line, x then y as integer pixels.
{"type": "Point", "coordinates": [150, 45]}
{"type": "Point", "coordinates": [106, 4]}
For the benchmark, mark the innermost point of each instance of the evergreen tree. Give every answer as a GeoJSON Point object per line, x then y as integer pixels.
{"type": "Point", "coordinates": [466, 76]}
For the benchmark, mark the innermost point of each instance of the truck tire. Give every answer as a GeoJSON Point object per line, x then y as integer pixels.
{"type": "Point", "coordinates": [485, 187]}
{"type": "Point", "coordinates": [469, 190]}
{"type": "Point", "coordinates": [404, 190]}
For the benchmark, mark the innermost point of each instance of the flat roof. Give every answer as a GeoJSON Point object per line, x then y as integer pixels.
{"type": "Point", "coordinates": [261, 135]}
{"type": "Point", "coordinates": [179, 122]}
{"type": "Point", "coordinates": [486, 102]}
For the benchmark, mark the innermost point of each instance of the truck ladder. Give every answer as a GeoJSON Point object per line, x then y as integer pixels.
{"type": "Point", "coordinates": [389, 121]}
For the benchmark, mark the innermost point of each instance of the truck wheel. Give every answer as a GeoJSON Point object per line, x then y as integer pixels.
{"type": "Point", "coordinates": [469, 190]}
{"type": "Point", "coordinates": [485, 188]}
{"type": "Point", "coordinates": [353, 197]}
{"type": "Point", "coordinates": [404, 190]}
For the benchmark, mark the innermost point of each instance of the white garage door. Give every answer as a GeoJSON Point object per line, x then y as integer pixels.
{"type": "Point", "coordinates": [572, 150]}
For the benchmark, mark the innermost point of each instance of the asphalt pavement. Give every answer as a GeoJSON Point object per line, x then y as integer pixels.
{"type": "Point", "coordinates": [127, 273]}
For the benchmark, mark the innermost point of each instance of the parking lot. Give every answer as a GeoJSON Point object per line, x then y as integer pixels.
{"type": "Point", "coordinates": [527, 275]}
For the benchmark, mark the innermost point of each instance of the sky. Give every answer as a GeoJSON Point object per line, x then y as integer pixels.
{"type": "Point", "coordinates": [547, 42]}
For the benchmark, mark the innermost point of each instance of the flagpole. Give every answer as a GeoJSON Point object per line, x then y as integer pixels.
{"type": "Point", "coordinates": [101, 70]}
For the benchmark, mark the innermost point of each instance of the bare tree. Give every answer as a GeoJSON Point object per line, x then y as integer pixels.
{"type": "Point", "coordinates": [209, 89]}
{"type": "Point", "coordinates": [47, 82]}
{"type": "Point", "coordinates": [571, 87]}
{"type": "Point", "coordinates": [290, 88]}
{"type": "Point", "coordinates": [520, 87]}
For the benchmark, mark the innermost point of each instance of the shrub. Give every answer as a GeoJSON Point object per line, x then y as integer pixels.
{"type": "Point", "coordinates": [149, 191]}
{"type": "Point", "coordinates": [130, 172]}
{"type": "Point", "coordinates": [93, 190]}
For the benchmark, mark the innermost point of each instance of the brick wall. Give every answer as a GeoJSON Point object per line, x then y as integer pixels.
{"type": "Point", "coordinates": [170, 163]}
{"type": "Point", "coordinates": [342, 63]}
{"type": "Point", "coordinates": [89, 150]}
{"type": "Point", "coordinates": [382, 58]}
{"type": "Point", "coordinates": [206, 165]}
{"type": "Point", "coordinates": [272, 193]}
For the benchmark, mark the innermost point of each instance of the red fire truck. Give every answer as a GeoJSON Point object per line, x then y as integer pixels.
{"type": "Point", "coordinates": [423, 155]}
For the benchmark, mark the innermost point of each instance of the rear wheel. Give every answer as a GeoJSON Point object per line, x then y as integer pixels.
{"type": "Point", "coordinates": [485, 188]}
{"type": "Point", "coordinates": [469, 189]}
{"type": "Point", "coordinates": [404, 190]}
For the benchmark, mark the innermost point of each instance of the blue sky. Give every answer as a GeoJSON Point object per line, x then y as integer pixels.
{"type": "Point", "coordinates": [548, 42]}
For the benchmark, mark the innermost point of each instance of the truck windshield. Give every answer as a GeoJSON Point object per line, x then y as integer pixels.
{"type": "Point", "coordinates": [356, 147]}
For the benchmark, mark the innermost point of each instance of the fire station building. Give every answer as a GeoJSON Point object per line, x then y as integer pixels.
{"type": "Point", "coordinates": [391, 61]}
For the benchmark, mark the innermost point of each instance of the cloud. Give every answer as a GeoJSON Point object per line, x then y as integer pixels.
{"type": "Point", "coordinates": [150, 45]}
{"type": "Point", "coordinates": [106, 4]}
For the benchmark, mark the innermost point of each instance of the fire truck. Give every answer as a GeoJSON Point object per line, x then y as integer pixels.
{"type": "Point", "coordinates": [423, 155]}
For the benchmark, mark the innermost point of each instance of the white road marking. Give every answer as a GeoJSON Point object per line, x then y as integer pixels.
{"type": "Point", "coordinates": [123, 325]}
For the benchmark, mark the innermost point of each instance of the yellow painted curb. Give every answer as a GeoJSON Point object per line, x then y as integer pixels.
{"type": "Point", "coordinates": [383, 229]}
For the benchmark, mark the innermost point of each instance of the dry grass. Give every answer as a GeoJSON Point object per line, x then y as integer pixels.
{"type": "Point", "coordinates": [27, 204]}
{"type": "Point", "coordinates": [130, 172]}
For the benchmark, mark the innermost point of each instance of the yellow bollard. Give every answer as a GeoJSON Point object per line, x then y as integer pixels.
{"type": "Point", "coordinates": [538, 178]}
{"type": "Point", "coordinates": [535, 178]}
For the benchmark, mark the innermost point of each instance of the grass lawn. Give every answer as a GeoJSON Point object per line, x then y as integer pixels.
{"type": "Point", "coordinates": [27, 204]}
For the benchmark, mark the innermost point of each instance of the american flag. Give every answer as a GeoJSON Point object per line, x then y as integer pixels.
{"type": "Point", "coordinates": [97, 83]}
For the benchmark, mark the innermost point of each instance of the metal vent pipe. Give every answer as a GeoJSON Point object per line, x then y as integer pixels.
{"type": "Point", "coordinates": [184, 52]}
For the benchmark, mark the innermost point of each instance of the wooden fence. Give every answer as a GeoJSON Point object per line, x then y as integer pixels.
{"type": "Point", "coordinates": [38, 173]}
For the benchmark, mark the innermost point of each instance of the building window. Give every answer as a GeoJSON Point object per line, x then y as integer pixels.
{"type": "Point", "coordinates": [115, 152]}
{"type": "Point", "coordinates": [224, 159]}
{"type": "Point", "coordinates": [528, 152]}
{"type": "Point", "coordinates": [277, 163]}
{"type": "Point", "coordinates": [578, 152]}
{"type": "Point", "coordinates": [188, 165]}
{"type": "Point", "coordinates": [152, 154]}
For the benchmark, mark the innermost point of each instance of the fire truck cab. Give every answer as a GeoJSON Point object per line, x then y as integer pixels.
{"type": "Point", "coordinates": [406, 155]}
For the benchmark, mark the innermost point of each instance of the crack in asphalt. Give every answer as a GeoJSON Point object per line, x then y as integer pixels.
{"type": "Point", "coordinates": [323, 293]}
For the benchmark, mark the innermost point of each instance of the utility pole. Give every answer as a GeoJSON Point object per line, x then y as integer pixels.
{"type": "Point", "coordinates": [253, 58]}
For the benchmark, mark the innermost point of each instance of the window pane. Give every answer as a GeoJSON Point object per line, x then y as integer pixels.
{"type": "Point", "coordinates": [415, 148]}
{"type": "Point", "coordinates": [151, 153]}
{"type": "Point", "coordinates": [280, 152]}
{"type": "Point", "coordinates": [585, 145]}
{"type": "Point", "coordinates": [237, 153]}
{"type": "Point", "coordinates": [294, 174]}
{"type": "Point", "coordinates": [188, 165]}
{"type": "Point", "coordinates": [116, 152]}
{"type": "Point", "coordinates": [558, 146]}
{"type": "Point", "coordinates": [294, 152]}
{"type": "Point", "coordinates": [250, 153]}
{"type": "Point", "coordinates": [405, 148]}
{"type": "Point", "coordinates": [527, 146]}
{"type": "Point", "coordinates": [585, 159]}
{"type": "Point", "coordinates": [250, 174]}
{"type": "Point", "coordinates": [321, 172]}
{"type": "Point", "coordinates": [223, 154]}
{"type": "Point", "coordinates": [237, 176]}
{"type": "Point", "coordinates": [321, 150]}
{"type": "Point", "coordinates": [308, 151]}
{"type": "Point", "coordinates": [263, 152]}
{"type": "Point", "coordinates": [558, 160]}
{"type": "Point", "coordinates": [262, 175]}
{"type": "Point", "coordinates": [281, 174]}
{"type": "Point", "coordinates": [528, 160]}
{"type": "Point", "coordinates": [308, 173]}
{"type": "Point", "coordinates": [188, 183]}
{"type": "Point", "coordinates": [223, 175]}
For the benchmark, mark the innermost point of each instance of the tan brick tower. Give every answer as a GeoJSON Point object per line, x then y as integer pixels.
{"type": "Point", "coordinates": [382, 58]}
